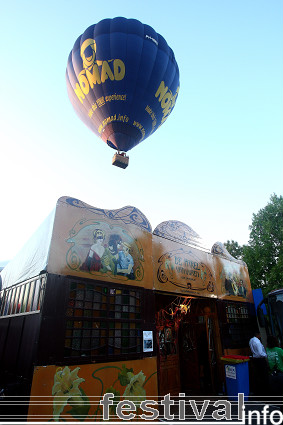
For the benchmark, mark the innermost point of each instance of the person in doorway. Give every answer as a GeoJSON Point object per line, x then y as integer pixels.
{"type": "Point", "coordinates": [260, 376]}
{"type": "Point", "coordinates": [275, 362]}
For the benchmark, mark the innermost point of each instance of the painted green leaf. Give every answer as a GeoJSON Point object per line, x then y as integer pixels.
{"type": "Point", "coordinates": [123, 376]}
{"type": "Point", "coordinates": [116, 399]}
{"type": "Point", "coordinates": [80, 406]}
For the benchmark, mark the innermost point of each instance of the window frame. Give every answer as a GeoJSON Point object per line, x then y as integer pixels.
{"type": "Point", "coordinates": [107, 331]}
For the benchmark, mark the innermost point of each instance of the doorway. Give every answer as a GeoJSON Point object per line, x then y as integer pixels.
{"type": "Point", "coordinates": [196, 357]}
{"type": "Point", "coordinates": [187, 351]}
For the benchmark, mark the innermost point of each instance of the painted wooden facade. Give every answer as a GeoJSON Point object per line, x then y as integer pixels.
{"type": "Point", "coordinates": [102, 303]}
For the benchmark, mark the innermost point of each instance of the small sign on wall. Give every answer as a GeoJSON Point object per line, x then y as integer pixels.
{"type": "Point", "coordinates": [230, 371]}
{"type": "Point", "coordinates": [147, 341]}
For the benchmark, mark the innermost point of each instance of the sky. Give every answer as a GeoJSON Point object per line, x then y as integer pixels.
{"type": "Point", "coordinates": [214, 162]}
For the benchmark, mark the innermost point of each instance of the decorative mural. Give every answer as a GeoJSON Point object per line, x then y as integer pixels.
{"type": "Point", "coordinates": [98, 248]}
{"type": "Point", "coordinates": [66, 391]}
{"type": "Point", "coordinates": [233, 274]}
{"type": "Point", "coordinates": [233, 281]}
{"type": "Point", "coordinates": [183, 265]}
{"type": "Point", "coordinates": [183, 268]}
{"type": "Point", "coordinates": [73, 393]}
{"type": "Point", "coordinates": [118, 246]}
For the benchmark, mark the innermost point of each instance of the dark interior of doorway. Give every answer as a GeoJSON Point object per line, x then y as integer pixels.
{"type": "Point", "coordinates": [195, 346]}
{"type": "Point", "coordinates": [195, 370]}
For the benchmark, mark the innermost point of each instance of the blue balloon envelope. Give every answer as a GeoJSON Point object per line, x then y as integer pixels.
{"type": "Point", "coordinates": [122, 80]}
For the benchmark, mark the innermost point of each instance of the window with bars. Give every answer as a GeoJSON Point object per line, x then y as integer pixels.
{"type": "Point", "coordinates": [103, 321]}
{"type": "Point", "coordinates": [23, 298]}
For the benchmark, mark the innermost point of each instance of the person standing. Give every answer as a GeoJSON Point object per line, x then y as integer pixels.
{"type": "Point", "coordinates": [256, 346]}
{"type": "Point", "coordinates": [275, 362]}
{"type": "Point", "coordinates": [260, 376]}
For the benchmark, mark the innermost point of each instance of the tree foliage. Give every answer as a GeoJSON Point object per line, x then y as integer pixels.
{"type": "Point", "coordinates": [234, 249]}
{"type": "Point", "coordinates": [264, 252]}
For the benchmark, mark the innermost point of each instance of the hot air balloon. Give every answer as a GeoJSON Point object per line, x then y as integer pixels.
{"type": "Point", "coordinates": [123, 82]}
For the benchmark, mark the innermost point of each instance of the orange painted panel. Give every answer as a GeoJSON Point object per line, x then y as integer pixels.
{"type": "Point", "coordinates": [72, 393]}
{"type": "Point", "coordinates": [100, 244]}
{"type": "Point", "coordinates": [182, 269]}
{"type": "Point", "coordinates": [192, 272]}
{"type": "Point", "coordinates": [233, 282]}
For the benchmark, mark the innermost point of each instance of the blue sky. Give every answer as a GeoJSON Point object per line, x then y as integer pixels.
{"type": "Point", "coordinates": [214, 162]}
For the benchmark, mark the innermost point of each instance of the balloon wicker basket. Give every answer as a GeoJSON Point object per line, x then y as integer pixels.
{"type": "Point", "coordinates": [120, 160]}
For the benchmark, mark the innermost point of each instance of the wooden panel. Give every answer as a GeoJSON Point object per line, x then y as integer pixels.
{"type": "Point", "coordinates": [169, 375]}
{"type": "Point", "coordinates": [13, 343]}
{"type": "Point", "coordinates": [52, 329]}
{"type": "Point", "coordinates": [93, 380]}
{"type": "Point", "coordinates": [189, 358]}
{"type": "Point", "coordinates": [27, 350]}
{"type": "Point", "coordinates": [182, 269]}
{"type": "Point", "coordinates": [4, 326]}
{"type": "Point", "coordinates": [108, 245]}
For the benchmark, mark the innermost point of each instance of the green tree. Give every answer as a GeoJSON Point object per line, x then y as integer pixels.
{"type": "Point", "coordinates": [264, 252]}
{"type": "Point", "coordinates": [234, 249]}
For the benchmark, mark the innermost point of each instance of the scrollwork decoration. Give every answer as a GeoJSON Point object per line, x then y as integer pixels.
{"type": "Point", "coordinates": [179, 232]}
{"type": "Point", "coordinates": [219, 249]}
{"type": "Point", "coordinates": [73, 259]}
{"type": "Point", "coordinates": [128, 214]}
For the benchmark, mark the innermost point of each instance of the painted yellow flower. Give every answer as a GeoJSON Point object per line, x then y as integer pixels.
{"type": "Point", "coordinates": [66, 386]}
{"type": "Point", "coordinates": [134, 390]}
